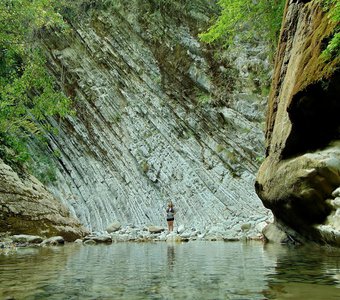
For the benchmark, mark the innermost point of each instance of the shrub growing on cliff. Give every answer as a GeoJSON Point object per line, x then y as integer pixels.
{"type": "Point", "coordinates": [246, 19]}
{"type": "Point", "coordinates": [332, 7]}
{"type": "Point", "coordinates": [27, 92]}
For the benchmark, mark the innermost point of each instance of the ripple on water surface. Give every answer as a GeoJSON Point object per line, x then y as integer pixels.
{"type": "Point", "coordinates": [194, 270]}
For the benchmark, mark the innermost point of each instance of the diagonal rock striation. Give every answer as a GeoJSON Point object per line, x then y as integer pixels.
{"type": "Point", "coordinates": [157, 119]}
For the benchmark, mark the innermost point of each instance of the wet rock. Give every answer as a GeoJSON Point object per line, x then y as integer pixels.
{"type": "Point", "coordinates": [180, 229]}
{"type": "Point", "coordinates": [101, 239]}
{"type": "Point", "coordinates": [158, 233]}
{"type": "Point", "coordinates": [54, 241]}
{"type": "Point", "coordinates": [90, 242]}
{"type": "Point", "coordinates": [336, 192]}
{"type": "Point", "coordinates": [273, 234]}
{"type": "Point", "coordinates": [7, 247]}
{"type": "Point", "coordinates": [187, 235]}
{"type": "Point", "coordinates": [174, 237]}
{"type": "Point", "coordinates": [331, 232]}
{"type": "Point", "coordinates": [24, 238]}
{"type": "Point", "coordinates": [336, 203]}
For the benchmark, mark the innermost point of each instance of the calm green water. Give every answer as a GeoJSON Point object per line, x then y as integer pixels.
{"type": "Point", "coordinates": [194, 270]}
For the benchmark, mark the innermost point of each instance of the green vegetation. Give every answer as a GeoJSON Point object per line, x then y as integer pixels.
{"type": "Point", "coordinates": [231, 156]}
{"type": "Point", "coordinates": [28, 95]}
{"type": "Point", "coordinates": [204, 98]}
{"type": "Point", "coordinates": [219, 148]}
{"type": "Point", "coordinates": [246, 20]}
{"type": "Point", "coordinates": [250, 22]}
{"type": "Point", "coordinates": [332, 7]}
{"type": "Point", "coordinates": [44, 167]}
{"type": "Point", "coordinates": [145, 166]}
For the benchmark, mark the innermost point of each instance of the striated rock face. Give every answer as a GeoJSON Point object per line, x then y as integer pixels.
{"type": "Point", "coordinates": [298, 179]}
{"type": "Point", "coordinates": [156, 120]}
{"type": "Point", "coordinates": [26, 207]}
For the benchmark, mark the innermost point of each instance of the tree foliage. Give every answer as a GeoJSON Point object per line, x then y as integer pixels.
{"type": "Point", "coordinates": [27, 93]}
{"type": "Point", "coordinates": [332, 8]}
{"type": "Point", "coordinates": [246, 19]}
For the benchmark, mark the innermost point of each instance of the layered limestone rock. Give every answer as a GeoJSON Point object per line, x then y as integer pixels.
{"type": "Point", "coordinates": [300, 175]}
{"type": "Point", "coordinates": [156, 121]}
{"type": "Point", "coordinates": [26, 207]}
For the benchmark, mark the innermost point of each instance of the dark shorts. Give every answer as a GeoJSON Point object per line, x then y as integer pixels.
{"type": "Point", "coordinates": [170, 219]}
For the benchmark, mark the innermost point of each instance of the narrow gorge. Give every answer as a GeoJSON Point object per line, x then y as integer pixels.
{"type": "Point", "coordinates": [154, 121]}
{"type": "Point", "coordinates": [159, 115]}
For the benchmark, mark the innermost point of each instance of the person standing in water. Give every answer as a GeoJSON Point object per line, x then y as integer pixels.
{"type": "Point", "coordinates": [170, 216]}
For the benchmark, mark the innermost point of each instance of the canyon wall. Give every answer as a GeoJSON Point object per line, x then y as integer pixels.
{"type": "Point", "coordinates": [300, 177]}
{"type": "Point", "coordinates": [159, 116]}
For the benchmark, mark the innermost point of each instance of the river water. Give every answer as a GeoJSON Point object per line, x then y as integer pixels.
{"type": "Point", "coordinates": [193, 270]}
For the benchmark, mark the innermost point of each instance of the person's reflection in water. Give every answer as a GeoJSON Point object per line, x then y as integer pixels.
{"type": "Point", "coordinates": [171, 257]}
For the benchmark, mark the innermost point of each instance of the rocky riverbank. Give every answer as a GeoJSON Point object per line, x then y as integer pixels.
{"type": "Point", "coordinates": [116, 233]}
{"type": "Point", "coordinates": [152, 233]}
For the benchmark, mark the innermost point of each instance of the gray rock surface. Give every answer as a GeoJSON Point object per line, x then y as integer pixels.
{"type": "Point", "coordinates": [115, 226]}
{"type": "Point", "coordinates": [98, 239]}
{"type": "Point", "coordinates": [155, 229]}
{"type": "Point", "coordinates": [155, 122]}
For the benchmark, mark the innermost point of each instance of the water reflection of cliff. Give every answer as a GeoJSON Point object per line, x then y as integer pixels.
{"type": "Point", "coordinates": [308, 272]}
{"type": "Point", "coordinates": [24, 272]}
{"type": "Point", "coordinates": [184, 271]}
